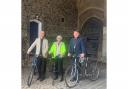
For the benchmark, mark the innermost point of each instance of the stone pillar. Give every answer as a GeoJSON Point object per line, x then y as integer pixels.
{"type": "Point", "coordinates": [104, 44]}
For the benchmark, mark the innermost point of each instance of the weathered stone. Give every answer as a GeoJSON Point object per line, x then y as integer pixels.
{"type": "Point", "coordinates": [74, 12]}
{"type": "Point", "coordinates": [50, 13]}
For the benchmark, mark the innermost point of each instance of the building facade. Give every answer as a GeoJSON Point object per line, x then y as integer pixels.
{"type": "Point", "coordinates": [62, 17]}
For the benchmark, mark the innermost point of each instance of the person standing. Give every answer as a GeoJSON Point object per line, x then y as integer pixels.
{"type": "Point", "coordinates": [76, 46]}
{"type": "Point", "coordinates": [41, 44]}
{"type": "Point", "coordinates": [58, 51]}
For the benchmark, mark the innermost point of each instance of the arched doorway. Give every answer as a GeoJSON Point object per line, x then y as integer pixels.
{"type": "Point", "coordinates": [33, 31]}
{"type": "Point", "coordinates": [92, 34]}
{"type": "Point", "coordinates": [34, 28]}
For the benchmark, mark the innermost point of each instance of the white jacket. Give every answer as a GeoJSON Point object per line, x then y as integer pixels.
{"type": "Point", "coordinates": [37, 44]}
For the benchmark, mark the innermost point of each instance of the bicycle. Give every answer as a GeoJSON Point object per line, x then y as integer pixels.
{"type": "Point", "coordinates": [80, 69]}
{"type": "Point", "coordinates": [33, 71]}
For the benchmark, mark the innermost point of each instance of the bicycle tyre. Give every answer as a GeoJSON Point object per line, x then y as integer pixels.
{"type": "Point", "coordinates": [66, 74]}
{"type": "Point", "coordinates": [94, 72]}
{"type": "Point", "coordinates": [30, 77]}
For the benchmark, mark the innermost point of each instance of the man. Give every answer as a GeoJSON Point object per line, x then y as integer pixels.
{"type": "Point", "coordinates": [58, 51]}
{"type": "Point", "coordinates": [41, 44]}
{"type": "Point", "coordinates": [76, 46]}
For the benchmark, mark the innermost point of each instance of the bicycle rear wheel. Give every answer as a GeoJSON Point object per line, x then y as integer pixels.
{"type": "Point", "coordinates": [71, 76]}
{"type": "Point", "coordinates": [94, 75]}
{"type": "Point", "coordinates": [30, 77]}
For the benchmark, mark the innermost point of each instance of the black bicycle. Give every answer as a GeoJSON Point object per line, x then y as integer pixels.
{"type": "Point", "coordinates": [33, 70]}
{"type": "Point", "coordinates": [79, 70]}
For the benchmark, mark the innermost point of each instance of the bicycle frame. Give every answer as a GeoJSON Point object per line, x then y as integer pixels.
{"type": "Point", "coordinates": [79, 68]}
{"type": "Point", "coordinates": [75, 66]}
{"type": "Point", "coordinates": [75, 72]}
{"type": "Point", "coordinates": [33, 70]}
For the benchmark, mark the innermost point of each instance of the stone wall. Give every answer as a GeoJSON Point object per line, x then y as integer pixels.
{"type": "Point", "coordinates": [91, 8]}
{"type": "Point", "coordinates": [57, 17]}
{"type": "Point", "coordinates": [51, 13]}
{"type": "Point", "coordinates": [82, 5]}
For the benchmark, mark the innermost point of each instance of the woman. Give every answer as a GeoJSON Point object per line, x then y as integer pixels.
{"type": "Point", "coordinates": [58, 51]}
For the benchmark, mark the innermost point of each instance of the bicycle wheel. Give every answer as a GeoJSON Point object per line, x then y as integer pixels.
{"type": "Point", "coordinates": [71, 76]}
{"type": "Point", "coordinates": [30, 77]}
{"type": "Point", "coordinates": [94, 75]}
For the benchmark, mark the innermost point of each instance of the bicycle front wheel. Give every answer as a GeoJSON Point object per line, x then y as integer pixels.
{"type": "Point", "coordinates": [30, 77]}
{"type": "Point", "coordinates": [71, 76]}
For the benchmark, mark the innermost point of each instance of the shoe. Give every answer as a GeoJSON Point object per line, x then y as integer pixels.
{"type": "Point", "coordinates": [38, 78]}
{"type": "Point", "coordinates": [55, 78]}
{"type": "Point", "coordinates": [34, 73]}
{"type": "Point", "coordinates": [41, 79]}
{"type": "Point", "coordinates": [61, 79]}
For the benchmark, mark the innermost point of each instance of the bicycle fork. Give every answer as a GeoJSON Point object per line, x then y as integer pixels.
{"type": "Point", "coordinates": [74, 70]}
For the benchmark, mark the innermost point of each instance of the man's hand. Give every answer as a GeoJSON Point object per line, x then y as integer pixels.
{"type": "Point", "coordinates": [27, 56]}
{"type": "Point", "coordinates": [69, 54]}
{"type": "Point", "coordinates": [81, 55]}
{"type": "Point", "coordinates": [28, 52]}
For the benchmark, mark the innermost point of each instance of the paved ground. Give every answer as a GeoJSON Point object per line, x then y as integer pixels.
{"type": "Point", "coordinates": [47, 83]}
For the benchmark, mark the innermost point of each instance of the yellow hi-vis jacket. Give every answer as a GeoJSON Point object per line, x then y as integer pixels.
{"type": "Point", "coordinates": [53, 49]}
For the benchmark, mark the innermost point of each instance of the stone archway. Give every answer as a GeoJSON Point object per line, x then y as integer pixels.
{"type": "Point", "coordinates": [99, 15]}
{"type": "Point", "coordinates": [92, 31]}
{"type": "Point", "coordinates": [39, 24]}
{"type": "Point", "coordinates": [91, 12]}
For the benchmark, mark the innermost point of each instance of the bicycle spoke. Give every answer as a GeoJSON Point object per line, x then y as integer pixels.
{"type": "Point", "coordinates": [94, 72]}
{"type": "Point", "coordinates": [71, 77]}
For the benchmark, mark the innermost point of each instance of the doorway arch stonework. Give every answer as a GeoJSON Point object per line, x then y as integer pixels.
{"type": "Point", "coordinates": [99, 14]}
{"type": "Point", "coordinates": [39, 24]}
{"type": "Point", "coordinates": [91, 12]}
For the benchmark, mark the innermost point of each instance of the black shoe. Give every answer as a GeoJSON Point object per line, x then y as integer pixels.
{"type": "Point", "coordinates": [61, 79]}
{"type": "Point", "coordinates": [55, 78]}
{"type": "Point", "coordinates": [38, 78]}
{"type": "Point", "coordinates": [34, 73]}
{"type": "Point", "coordinates": [42, 78]}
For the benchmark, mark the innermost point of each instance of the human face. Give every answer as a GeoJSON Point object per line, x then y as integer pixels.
{"type": "Point", "coordinates": [58, 39]}
{"type": "Point", "coordinates": [75, 34]}
{"type": "Point", "coordinates": [42, 34]}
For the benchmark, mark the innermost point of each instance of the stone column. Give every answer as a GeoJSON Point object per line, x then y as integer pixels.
{"type": "Point", "coordinates": [104, 44]}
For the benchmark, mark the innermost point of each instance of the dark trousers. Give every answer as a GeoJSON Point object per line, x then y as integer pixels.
{"type": "Point", "coordinates": [58, 66]}
{"type": "Point", "coordinates": [41, 65]}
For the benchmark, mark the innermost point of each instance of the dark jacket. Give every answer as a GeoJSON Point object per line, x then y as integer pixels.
{"type": "Point", "coordinates": [80, 46]}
